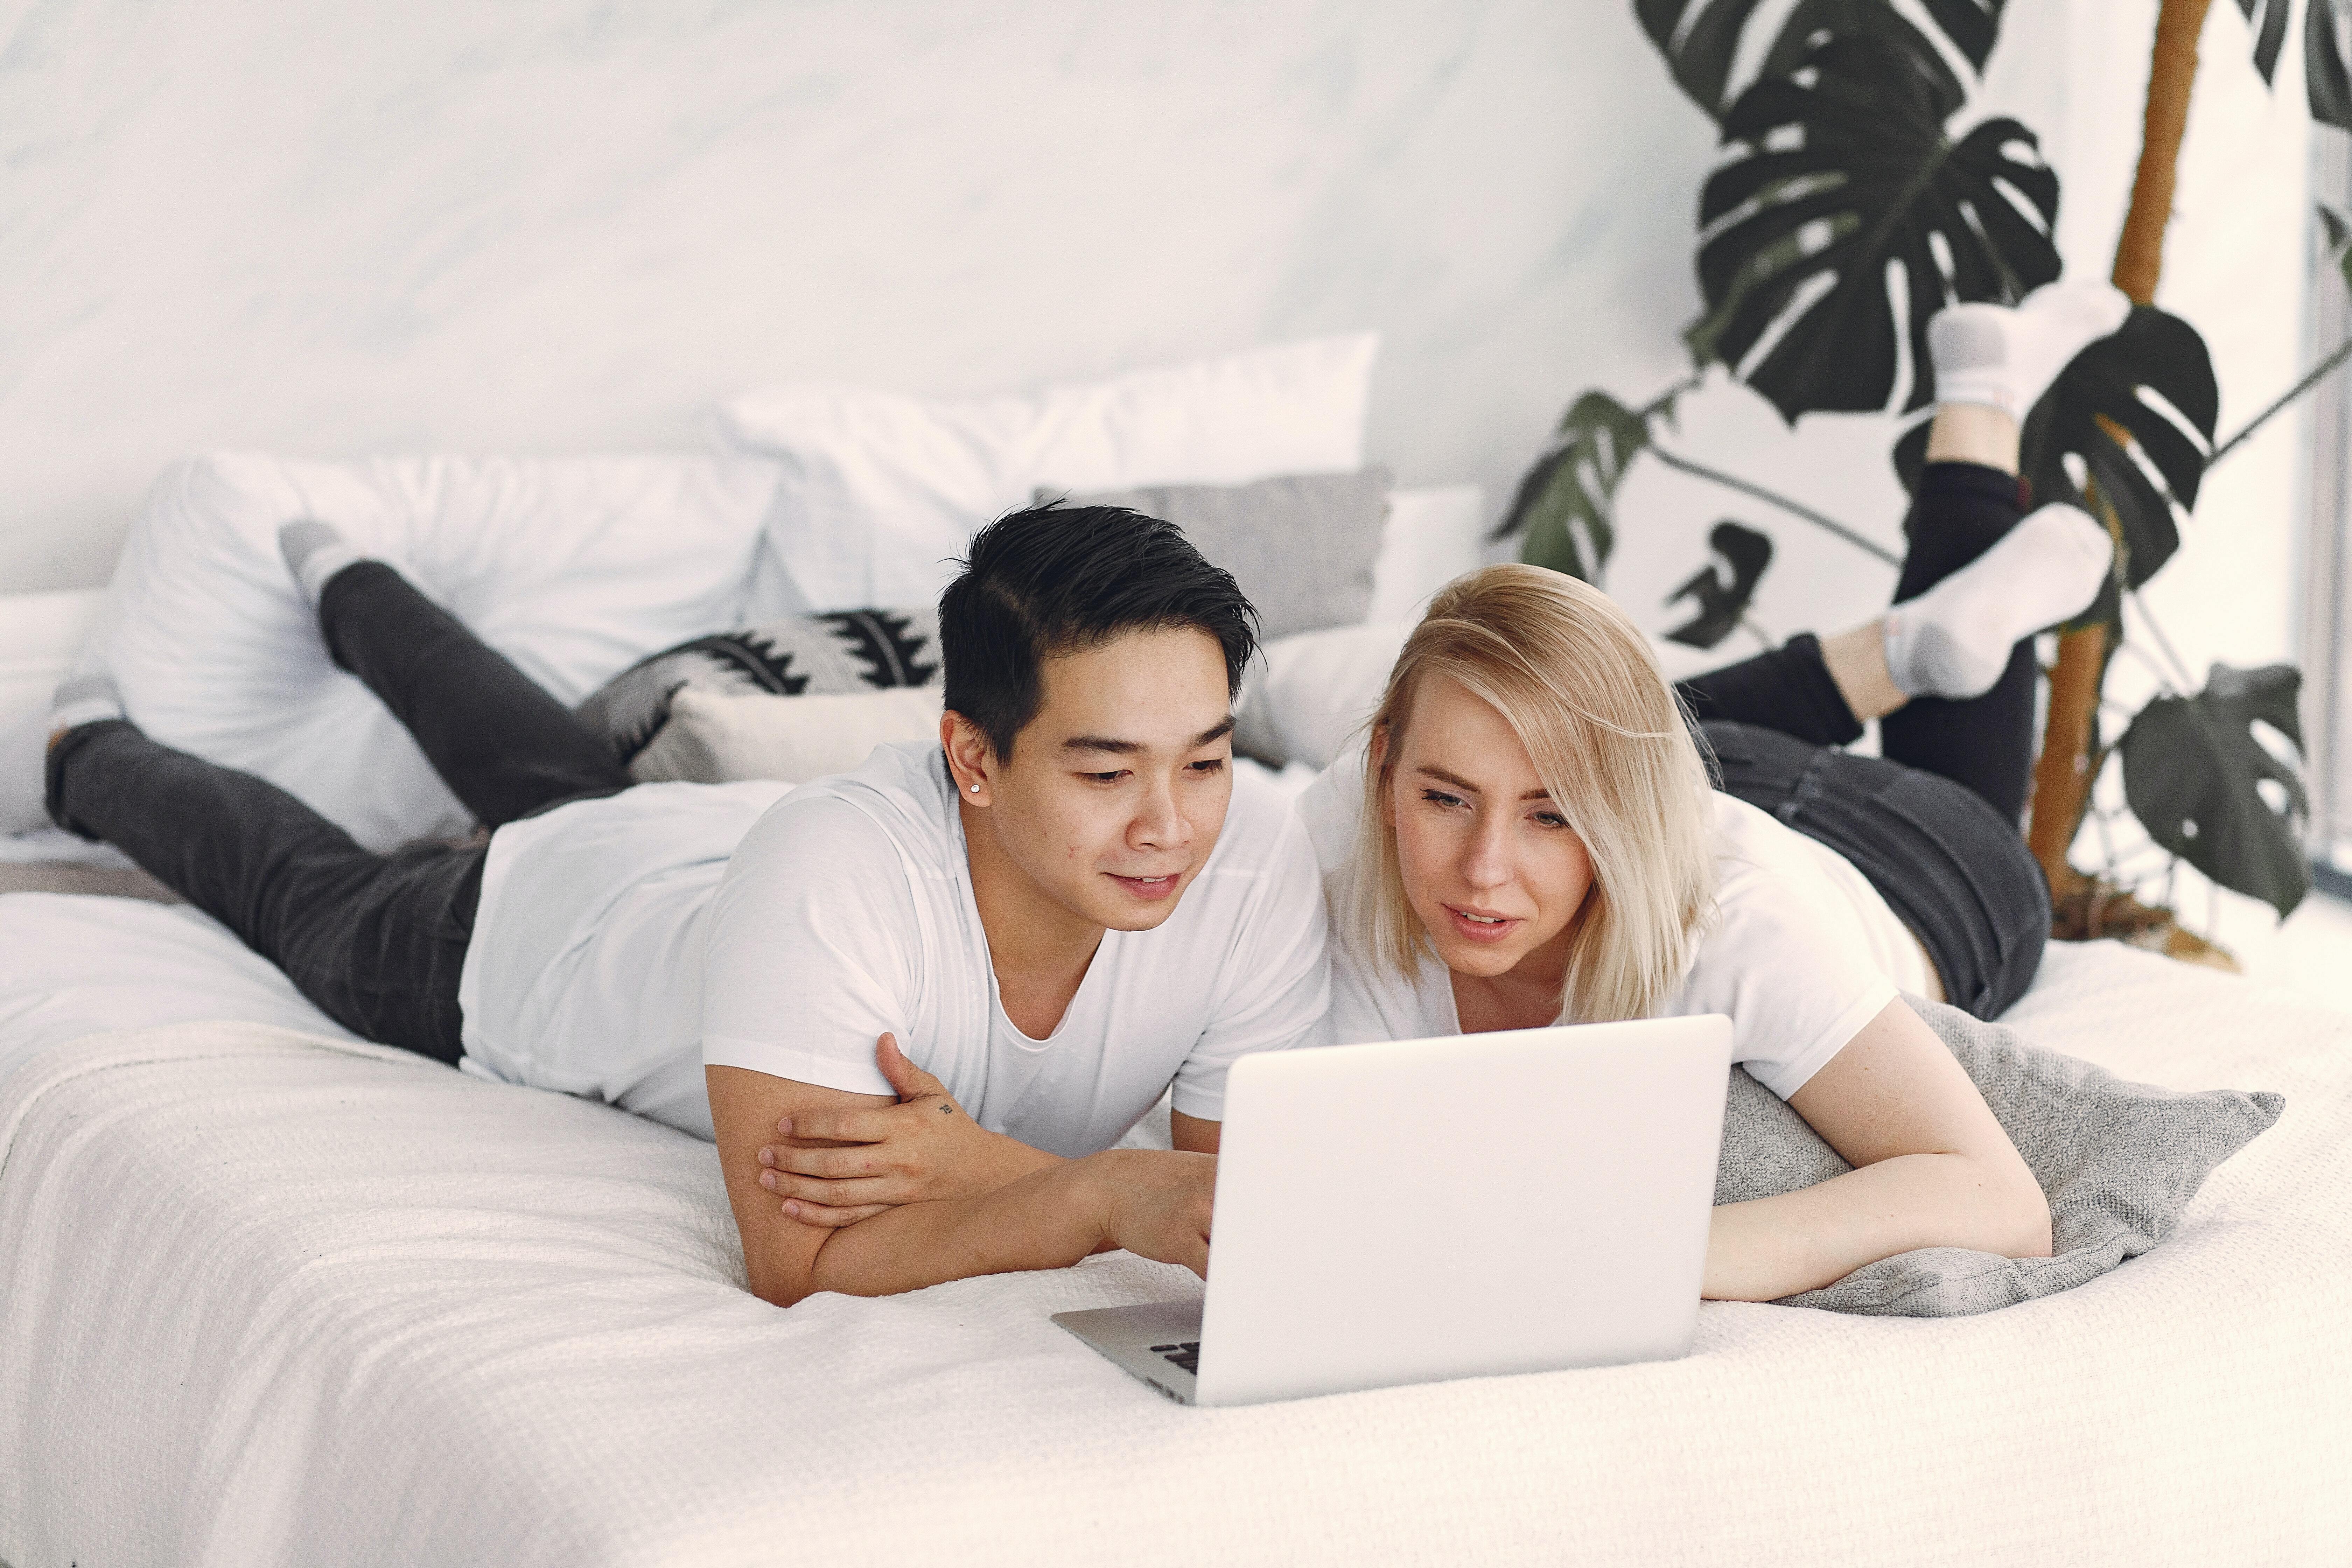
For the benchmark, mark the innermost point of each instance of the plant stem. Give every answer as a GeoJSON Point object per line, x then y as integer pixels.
{"type": "Point", "coordinates": [2156, 669]}
{"type": "Point", "coordinates": [2064, 773]}
{"type": "Point", "coordinates": [2319, 374]}
{"type": "Point", "coordinates": [2062, 781]}
{"type": "Point", "coordinates": [1664, 401]}
{"type": "Point", "coordinates": [1795, 509]}
{"type": "Point", "coordinates": [2172, 72]}
{"type": "Point", "coordinates": [2188, 681]}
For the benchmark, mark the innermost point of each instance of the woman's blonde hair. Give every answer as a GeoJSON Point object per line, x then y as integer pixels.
{"type": "Point", "coordinates": [1567, 671]}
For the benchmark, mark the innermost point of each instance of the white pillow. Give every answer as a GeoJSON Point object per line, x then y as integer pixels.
{"type": "Point", "coordinates": [1305, 697]}
{"type": "Point", "coordinates": [24, 752]}
{"type": "Point", "coordinates": [573, 568]}
{"type": "Point", "coordinates": [40, 634]}
{"type": "Point", "coordinates": [714, 738]}
{"type": "Point", "coordinates": [880, 490]}
{"type": "Point", "coordinates": [1431, 537]}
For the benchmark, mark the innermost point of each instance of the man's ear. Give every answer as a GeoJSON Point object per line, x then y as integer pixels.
{"type": "Point", "coordinates": [969, 757]}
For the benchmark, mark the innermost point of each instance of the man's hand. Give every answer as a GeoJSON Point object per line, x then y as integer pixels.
{"type": "Point", "coordinates": [836, 1167]}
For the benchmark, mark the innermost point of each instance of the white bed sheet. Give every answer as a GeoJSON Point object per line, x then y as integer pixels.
{"type": "Point", "coordinates": [272, 1299]}
{"type": "Point", "coordinates": [72, 966]}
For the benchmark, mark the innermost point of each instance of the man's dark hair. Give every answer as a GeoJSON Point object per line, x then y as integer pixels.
{"type": "Point", "coordinates": [1055, 578]}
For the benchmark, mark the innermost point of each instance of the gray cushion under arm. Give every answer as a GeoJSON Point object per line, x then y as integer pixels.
{"type": "Point", "coordinates": [2118, 1161]}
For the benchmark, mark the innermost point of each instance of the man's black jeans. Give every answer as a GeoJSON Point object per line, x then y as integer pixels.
{"type": "Point", "coordinates": [376, 941]}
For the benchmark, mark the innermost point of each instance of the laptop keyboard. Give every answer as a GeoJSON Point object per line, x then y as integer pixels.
{"type": "Point", "coordinates": [1186, 1355]}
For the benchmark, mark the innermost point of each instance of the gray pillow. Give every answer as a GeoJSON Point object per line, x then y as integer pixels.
{"type": "Point", "coordinates": [2118, 1161]}
{"type": "Point", "coordinates": [1301, 548]}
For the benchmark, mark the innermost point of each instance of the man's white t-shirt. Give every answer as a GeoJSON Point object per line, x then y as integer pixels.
{"type": "Point", "coordinates": [624, 942]}
{"type": "Point", "coordinates": [585, 973]}
{"type": "Point", "coordinates": [1801, 953]}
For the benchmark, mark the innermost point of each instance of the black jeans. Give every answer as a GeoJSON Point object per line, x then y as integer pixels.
{"type": "Point", "coordinates": [376, 941]}
{"type": "Point", "coordinates": [1933, 824]}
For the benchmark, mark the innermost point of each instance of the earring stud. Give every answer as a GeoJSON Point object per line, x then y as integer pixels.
{"type": "Point", "coordinates": [975, 789]}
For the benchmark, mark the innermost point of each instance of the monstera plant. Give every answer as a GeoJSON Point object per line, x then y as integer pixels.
{"type": "Point", "coordinates": [1844, 214]}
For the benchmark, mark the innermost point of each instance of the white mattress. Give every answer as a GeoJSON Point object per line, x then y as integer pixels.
{"type": "Point", "coordinates": [273, 1299]}
{"type": "Point", "coordinates": [71, 966]}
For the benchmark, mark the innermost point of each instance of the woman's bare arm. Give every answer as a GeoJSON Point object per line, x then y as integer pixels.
{"type": "Point", "coordinates": [1932, 1168]}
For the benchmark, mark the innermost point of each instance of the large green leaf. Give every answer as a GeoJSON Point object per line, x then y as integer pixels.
{"type": "Point", "coordinates": [1703, 40]}
{"type": "Point", "coordinates": [1720, 601]}
{"type": "Point", "coordinates": [1567, 504]}
{"type": "Point", "coordinates": [2328, 61]}
{"type": "Point", "coordinates": [2154, 356]}
{"type": "Point", "coordinates": [2193, 771]}
{"type": "Point", "coordinates": [2153, 353]}
{"type": "Point", "coordinates": [2336, 224]}
{"type": "Point", "coordinates": [2268, 20]}
{"type": "Point", "coordinates": [1842, 190]}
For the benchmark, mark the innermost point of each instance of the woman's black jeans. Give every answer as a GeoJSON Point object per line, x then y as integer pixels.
{"type": "Point", "coordinates": [1932, 822]}
{"type": "Point", "coordinates": [377, 941]}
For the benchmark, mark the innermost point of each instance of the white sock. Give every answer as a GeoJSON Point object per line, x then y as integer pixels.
{"type": "Point", "coordinates": [2005, 358]}
{"type": "Point", "coordinates": [1954, 639]}
{"type": "Point", "coordinates": [84, 699]}
{"type": "Point", "coordinates": [314, 553]}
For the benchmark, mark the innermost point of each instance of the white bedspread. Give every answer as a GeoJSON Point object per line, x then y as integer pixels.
{"type": "Point", "coordinates": [72, 966]}
{"type": "Point", "coordinates": [268, 1298]}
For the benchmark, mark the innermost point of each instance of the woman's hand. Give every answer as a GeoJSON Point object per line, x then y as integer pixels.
{"type": "Point", "coordinates": [836, 1167]}
{"type": "Point", "coordinates": [1156, 1202]}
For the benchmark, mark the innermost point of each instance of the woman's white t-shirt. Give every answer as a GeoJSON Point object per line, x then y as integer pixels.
{"type": "Point", "coordinates": [622, 943]}
{"type": "Point", "coordinates": [1801, 953]}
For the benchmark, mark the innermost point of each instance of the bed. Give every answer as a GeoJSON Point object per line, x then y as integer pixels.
{"type": "Point", "coordinates": [270, 1294]}
{"type": "Point", "coordinates": [278, 1296]}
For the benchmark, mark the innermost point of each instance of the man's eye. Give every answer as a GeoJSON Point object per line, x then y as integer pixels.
{"type": "Point", "coordinates": [1209, 766]}
{"type": "Point", "coordinates": [1111, 777]}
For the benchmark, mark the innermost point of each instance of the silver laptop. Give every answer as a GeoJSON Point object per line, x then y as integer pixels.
{"type": "Point", "coordinates": [1424, 1209]}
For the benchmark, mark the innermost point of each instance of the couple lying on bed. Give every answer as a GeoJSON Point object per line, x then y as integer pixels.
{"type": "Point", "coordinates": [915, 1005]}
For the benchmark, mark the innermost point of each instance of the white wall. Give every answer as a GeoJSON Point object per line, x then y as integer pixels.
{"type": "Point", "coordinates": [559, 225]}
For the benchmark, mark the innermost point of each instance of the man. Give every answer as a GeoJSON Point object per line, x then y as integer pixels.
{"type": "Point", "coordinates": [1060, 909]}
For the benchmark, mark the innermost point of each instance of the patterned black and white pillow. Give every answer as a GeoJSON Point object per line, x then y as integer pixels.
{"type": "Point", "coordinates": [830, 655]}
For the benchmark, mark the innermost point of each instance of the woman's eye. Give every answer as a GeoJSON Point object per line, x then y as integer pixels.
{"type": "Point", "coordinates": [1552, 819]}
{"type": "Point", "coordinates": [1438, 798]}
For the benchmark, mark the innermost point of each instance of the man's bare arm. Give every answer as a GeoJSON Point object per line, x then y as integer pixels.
{"type": "Point", "coordinates": [1194, 1133]}
{"type": "Point", "coordinates": [840, 1166]}
{"type": "Point", "coordinates": [1153, 1203]}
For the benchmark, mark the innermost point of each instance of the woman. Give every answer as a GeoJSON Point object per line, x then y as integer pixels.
{"type": "Point", "coordinates": [1530, 836]}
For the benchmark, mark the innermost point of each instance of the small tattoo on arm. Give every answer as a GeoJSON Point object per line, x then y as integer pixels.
{"type": "Point", "coordinates": [947, 1110]}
